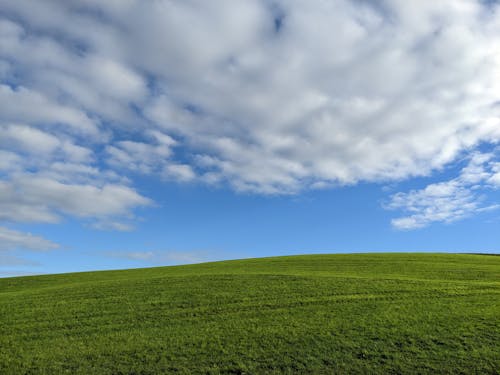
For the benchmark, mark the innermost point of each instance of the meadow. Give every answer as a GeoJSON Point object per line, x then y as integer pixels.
{"type": "Point", "coordinates": [319, 314]}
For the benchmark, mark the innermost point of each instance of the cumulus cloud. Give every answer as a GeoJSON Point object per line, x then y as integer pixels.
{"type": "Point", "coordinates": [450, 200]}
{"type": "Point", "coordinates": [267, 96]}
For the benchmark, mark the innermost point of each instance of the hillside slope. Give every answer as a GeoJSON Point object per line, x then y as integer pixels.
{"type": "Point", "coordinates": [359, 313]}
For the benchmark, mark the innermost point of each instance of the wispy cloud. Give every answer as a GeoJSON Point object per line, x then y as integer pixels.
{"type": "Point", "coordinates": [113, 225]}
{"type": "Point", "coordinates": [13, 273]}
{"type": "Point", "coordinates": [14, 240]}
{"type": "Point", "coordinates": [167, 257]}
{"type": "Point", "coordinates": [13, 243]}
{"type": "Point", "coordinates": [450, 200]}
{"type": "Point", "coordinates": [9, 260]}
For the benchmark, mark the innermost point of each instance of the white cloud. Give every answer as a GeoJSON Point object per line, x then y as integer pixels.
{"type": "Point", "coordinates": [32, 198]}
{"type": "Point", "coordinates": [27, 106]}
{"type": "Point", "coordinates": [179, 172]}
{"type": "Point", "coordinates": [8, 260]}
{"type": "Point", "coordinates": [13, 243]}
{"type": "Point", "coordinates": [387, 97]}
{"type": "Point", "coordinates": [78, 173]}
{"type": "Point", "coordinates": [28, 139]}
{"type": "Point", "coordinates": [40, 145]}
{"type": "Point", "coordinates": [15, 240]}
{"type": "Point", "coordinates": [111, 225]}
{"type": "Point", "coordinates": [141, 156]}
{"type": "Point", "coordinates": [9, 160]}
{"type": "Point", "coordinates": [450, 200]}
{"type": "Point", "coordinates": [268, 97]}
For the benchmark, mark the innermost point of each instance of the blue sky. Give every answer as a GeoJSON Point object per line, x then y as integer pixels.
{"type": "Point", "coordinates": [138, 134]}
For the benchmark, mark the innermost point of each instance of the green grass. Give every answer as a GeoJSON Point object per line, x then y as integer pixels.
{"type": "Point", "coordinates": [362, 313]}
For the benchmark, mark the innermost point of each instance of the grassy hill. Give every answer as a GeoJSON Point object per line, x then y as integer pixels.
{"type": "Point", "coordinates": [361, 313]}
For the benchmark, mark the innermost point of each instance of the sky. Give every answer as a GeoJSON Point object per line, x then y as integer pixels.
{"type": "Point", "coordinates": [145, 133]}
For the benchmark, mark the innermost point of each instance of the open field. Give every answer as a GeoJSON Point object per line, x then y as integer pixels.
{"type": "Point", "coordinates": [360, 313]}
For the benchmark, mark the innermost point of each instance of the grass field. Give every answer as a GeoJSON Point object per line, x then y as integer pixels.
{"type": "Point", "coordinates": [361, 313]}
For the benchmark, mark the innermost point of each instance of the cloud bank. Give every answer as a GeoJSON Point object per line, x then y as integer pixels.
{"type": "Point", "coordinates": [266, 96]}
